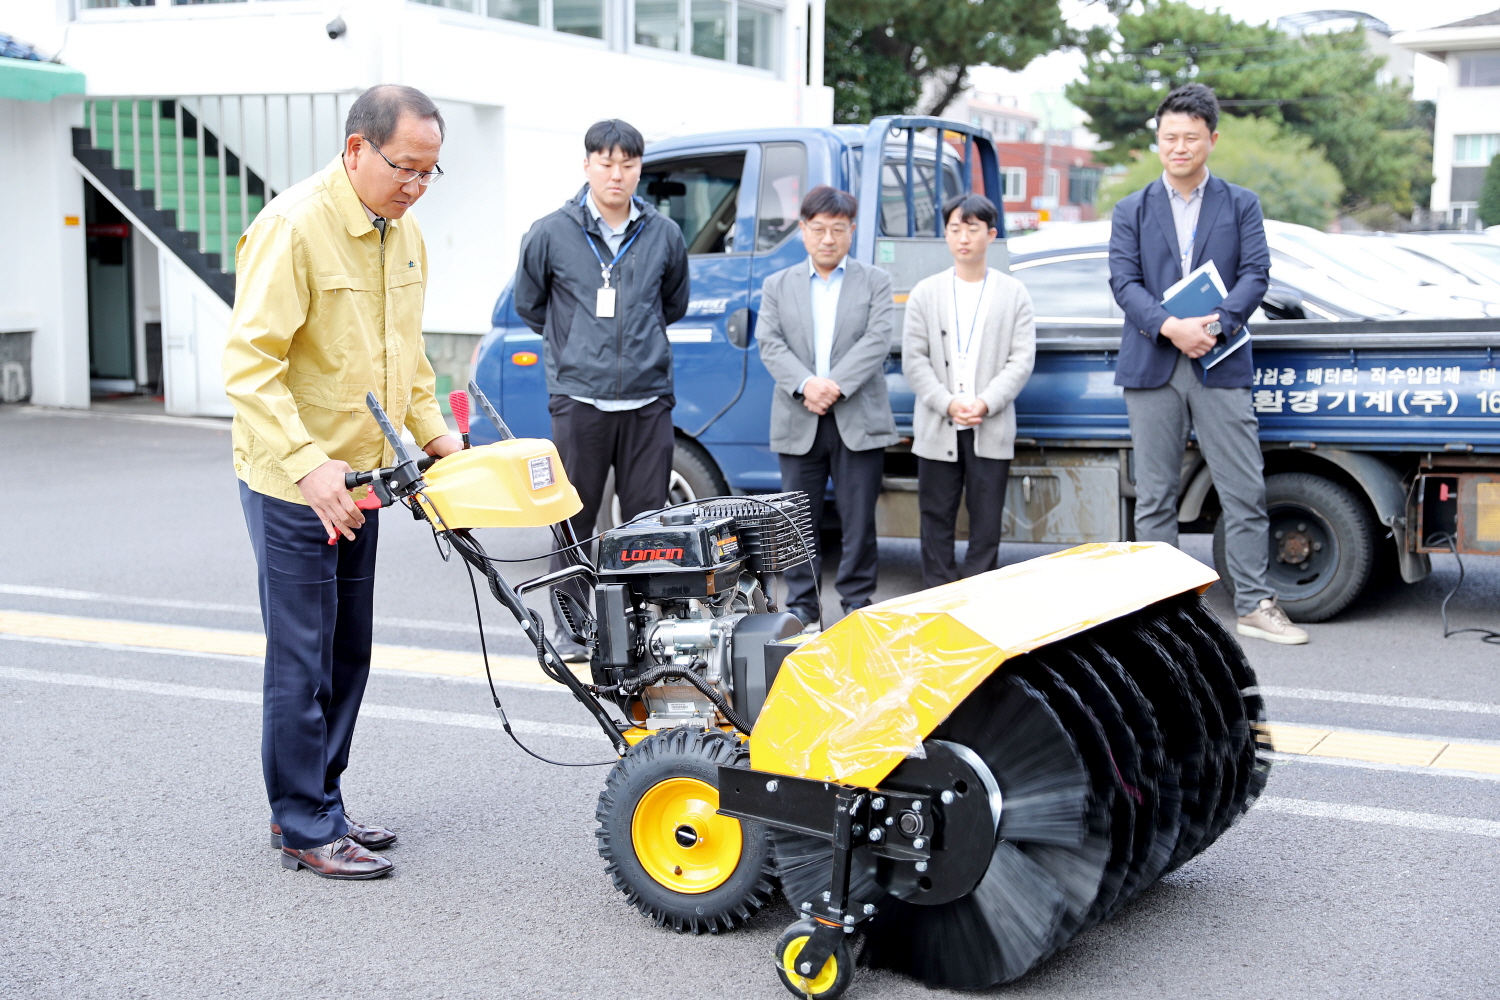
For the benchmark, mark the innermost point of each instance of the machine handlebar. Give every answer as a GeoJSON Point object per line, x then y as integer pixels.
{"type": "Point", "coordinates": [354, 480]}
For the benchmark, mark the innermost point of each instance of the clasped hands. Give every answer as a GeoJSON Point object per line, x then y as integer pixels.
{"type": "Point", "coordinates": [819, 393]}
{"type": "Point", "coordinates": [967, 411]}
{"type": "Point", "coordinates": [323, 489]}
{"type": "Point", "coordinates": [1190, 335]}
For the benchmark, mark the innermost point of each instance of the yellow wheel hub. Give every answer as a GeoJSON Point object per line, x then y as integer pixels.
{"type": "Point", "coordinates": [680, 839]}
{"type": "Point", "coordinates": [816, 984]}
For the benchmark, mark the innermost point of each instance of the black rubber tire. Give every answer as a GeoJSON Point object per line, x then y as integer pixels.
{"type": "Point", "coordinates": [842, 958]}
{"type": "Point", "coordinates": [1337, 518]}
{"type": "Point", "coordinates": [680, 753]}
{"type": "Point", "coordinates": [697, 471]}
{"type": "Point", "coordinates": [695, 476]}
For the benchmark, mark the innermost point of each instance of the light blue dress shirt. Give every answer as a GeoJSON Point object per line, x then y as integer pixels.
{"type": "Point", "coordinates": [613, 238]}
{"type": "Point", "coordinates": [825, 310]}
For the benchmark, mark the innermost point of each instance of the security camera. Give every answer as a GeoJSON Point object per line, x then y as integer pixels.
{"type": "Point", "coordinates": [336, 28]}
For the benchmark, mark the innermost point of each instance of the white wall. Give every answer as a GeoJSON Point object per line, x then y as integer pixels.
{"type": "Point", "coordinates": [517, 99]}
{"type": "Point", "coordinates": [43, 281]}
{"type": "Point", "coordinates": [1460, 111]}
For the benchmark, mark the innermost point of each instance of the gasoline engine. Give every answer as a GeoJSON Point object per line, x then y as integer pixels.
{"type": "Point", "coordinates": [961, 780]}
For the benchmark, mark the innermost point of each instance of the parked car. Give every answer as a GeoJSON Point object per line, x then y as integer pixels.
{"type": "Point", "coordinates": [1458, 257]}
{"type": "Point", "coordinates": [1431, 272]}
{"type": "Point", "coordinates": [1486, 245]}
{"type": "Point", "coordinates": [1345, 261]}
{"type": "Point", "coordinates": [1070, 284]}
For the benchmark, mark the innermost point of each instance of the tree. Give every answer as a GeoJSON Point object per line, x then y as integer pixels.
{"type": "Point", "coordinates": [881, 53]}
{"type": "Point", "coordinates": [1489, 195]}
{"type": "Point", "coordinates": [1295, 182]}
{"type": "Point", "coordinates": [1324, 87]}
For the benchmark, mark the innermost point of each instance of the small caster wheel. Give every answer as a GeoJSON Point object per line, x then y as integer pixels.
{"type": "Point", "coordinates": [829, 982]}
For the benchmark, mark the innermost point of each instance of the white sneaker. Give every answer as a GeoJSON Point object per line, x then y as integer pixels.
{"type": "Point", "coordinates": [1269, 622]}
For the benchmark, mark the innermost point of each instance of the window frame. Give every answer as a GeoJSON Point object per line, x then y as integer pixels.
{"type": "Point", "coordinates": [746, 202]}
{"type": "Point", "coordinates": [1005, 175]}
{"type": "Point", "coordinates": [1494, 145]}
{"type": "Point", "coordinates": [775, 8]}
{"type": "Point", "coordinates": [760, 181]}
{"type": "Point", "coordinates": [479, 17]}
{"type": "Point", "coordinates": [1467, 58]}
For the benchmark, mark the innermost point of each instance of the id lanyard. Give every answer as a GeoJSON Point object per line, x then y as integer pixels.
{"type": "Point", "coordinates": [604, 301]}
{"type": "Point", "coordinates": [1187, 253]}
{"type": "Point", "coordinates": [964, 345]}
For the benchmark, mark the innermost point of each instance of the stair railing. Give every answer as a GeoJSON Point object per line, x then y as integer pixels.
{"type": "Point", "coordinates": [265, 141]}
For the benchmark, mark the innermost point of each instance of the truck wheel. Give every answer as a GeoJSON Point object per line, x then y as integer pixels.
{"type": "Point", "coordinates": [694, 477]}
{"type": "Point", "coordinates": [1322, 546]}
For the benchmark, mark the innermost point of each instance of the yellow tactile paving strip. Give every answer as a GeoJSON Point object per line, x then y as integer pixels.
{"type": "Point", "coordinates": [232, 643]}
{"type": "Point", "coordinates": [1377, 749]}
{"type": "Point", "coordinates": [1299, 740]}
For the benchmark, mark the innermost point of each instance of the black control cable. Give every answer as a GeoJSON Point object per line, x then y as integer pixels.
{"type": "Point", "coordinates": [495, 695]}
{"type": "Point", "coordinates": [1485, 635]}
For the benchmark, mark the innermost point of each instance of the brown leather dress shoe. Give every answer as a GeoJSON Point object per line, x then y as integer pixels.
{"type": "Point", "coordinates": [371, 838]}
{"type": "Point", "coordinates": [342, 859]}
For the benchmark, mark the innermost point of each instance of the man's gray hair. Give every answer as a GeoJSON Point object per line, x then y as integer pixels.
{"type": "Point", "coordinates": [375, 113]}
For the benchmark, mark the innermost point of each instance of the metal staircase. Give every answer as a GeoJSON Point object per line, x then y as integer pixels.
{"type": "Point", "coordinates": [176, 177]}
{"type": "Point", "coordinates": [182, 167]}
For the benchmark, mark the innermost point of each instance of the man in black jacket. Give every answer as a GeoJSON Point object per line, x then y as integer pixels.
{"type": "Point", "coordinates": [601, 279]}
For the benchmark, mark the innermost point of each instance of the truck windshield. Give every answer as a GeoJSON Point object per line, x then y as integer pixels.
{"type": "Point", "coordinates": [700, 194]}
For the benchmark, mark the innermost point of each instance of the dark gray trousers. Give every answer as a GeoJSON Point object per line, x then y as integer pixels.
{"type": "Point", "coordinates": [637, 444]}
{"type": "Point", "coordinates": [856, 488]}
{"type": "Point", "coordinates": [1229, 437]}
{"type": "Point", "coordinates": [980, 484]}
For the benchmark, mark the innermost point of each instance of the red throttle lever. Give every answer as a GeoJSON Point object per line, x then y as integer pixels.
{"type": "Point", "coordinates": [458, 402]}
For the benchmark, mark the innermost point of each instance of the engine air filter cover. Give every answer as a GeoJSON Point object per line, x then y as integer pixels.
{"type": "Point", "coordinates": [648, 546]}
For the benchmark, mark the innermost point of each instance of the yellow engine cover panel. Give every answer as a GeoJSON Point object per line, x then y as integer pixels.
{"type": "Point", "coordinates": [850, 704]}
{"type": "Point", "coordinates": [518, 483]}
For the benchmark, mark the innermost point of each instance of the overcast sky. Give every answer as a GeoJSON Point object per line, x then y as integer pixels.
{"type": "Point", "coordinates": [1060, 68]}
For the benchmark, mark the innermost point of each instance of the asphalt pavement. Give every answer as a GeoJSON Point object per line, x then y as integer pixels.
{"type": "Point", "coordinates": [135, 816]}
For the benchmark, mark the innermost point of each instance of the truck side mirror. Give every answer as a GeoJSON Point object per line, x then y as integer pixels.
{"type": "Point", "coordinates": [737, 328]}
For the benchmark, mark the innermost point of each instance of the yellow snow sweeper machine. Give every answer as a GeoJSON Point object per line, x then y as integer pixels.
{"type": "Point", "coordinates": [963, 779]}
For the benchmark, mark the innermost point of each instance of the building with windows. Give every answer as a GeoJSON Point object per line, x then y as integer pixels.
{"type": "Point", "coordinates": [999, 113]}
{"type": "Point", "coordinates": [1467, 133]}
{"type": "Point", "coordinates": [1378, 34]}
{"type": "Point", "coordinates": [1048, 183]}
{"type": "Point", "coordinates": [197, 112]}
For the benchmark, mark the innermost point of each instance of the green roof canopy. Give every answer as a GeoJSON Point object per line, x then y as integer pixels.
{"type": "Point", "coordinates": [29, 80]}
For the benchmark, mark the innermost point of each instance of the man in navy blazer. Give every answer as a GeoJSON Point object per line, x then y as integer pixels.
{"type": "Point", "coordinates": [1160, 234]}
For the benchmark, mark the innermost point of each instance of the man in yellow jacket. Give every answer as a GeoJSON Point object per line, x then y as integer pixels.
{"type": "Point", "coordinates": [328, 307]}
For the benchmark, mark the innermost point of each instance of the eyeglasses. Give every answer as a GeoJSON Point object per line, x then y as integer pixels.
{"type": "Point", "coordinates": [405, 175]}
{"type": "Point", "coordinates": [837, 232]}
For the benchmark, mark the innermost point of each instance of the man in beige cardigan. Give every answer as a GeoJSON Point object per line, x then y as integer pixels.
{"type": "Point", "coordinates": [967, 351]}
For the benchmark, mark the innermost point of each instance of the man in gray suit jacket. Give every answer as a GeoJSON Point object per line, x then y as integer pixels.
{"type": "Point", "coordinates": [825, 330]}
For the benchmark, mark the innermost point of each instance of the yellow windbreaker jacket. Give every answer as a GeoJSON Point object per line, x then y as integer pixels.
{"type": "Point", "coordinates": [324, 313]}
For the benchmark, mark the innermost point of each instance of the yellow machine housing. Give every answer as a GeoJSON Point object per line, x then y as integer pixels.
{"type": "Point", "coordinates": [518, 483]}
{"type": "Point", "coordinates": [853, 702]}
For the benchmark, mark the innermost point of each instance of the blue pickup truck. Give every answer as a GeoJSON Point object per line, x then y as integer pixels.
{"type": "Point", "coordinates": [1381, 439]}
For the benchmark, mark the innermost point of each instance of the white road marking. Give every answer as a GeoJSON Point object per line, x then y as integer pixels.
{"type": "Point", "coordinates": [240, 696]}
{"type": "Point", "coordinates": [61, 594]}
{"type": "Point", "coordinates": [1385, 817]}
{"type": "Point", "coordinates": [1384, 700]}
{"type": "Point", "coordinates": [47, 640]}
{"type": "Point", "coordinates": [1296, 807]}
{"type": "Point", "coordinates": [257, 661]}
{"type": "Point", "coordinates": [1370, 765]}
{"type": "Point", "coordinates": [211, 423]}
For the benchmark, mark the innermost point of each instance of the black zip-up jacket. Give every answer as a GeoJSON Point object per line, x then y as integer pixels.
{"type": "Point", "coordinates": [626, 356]}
